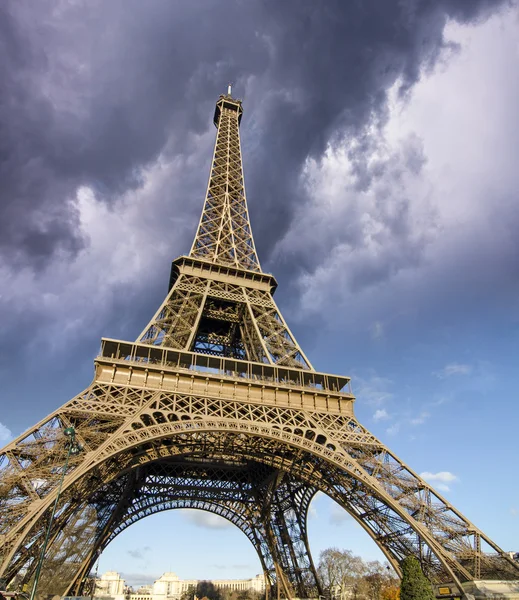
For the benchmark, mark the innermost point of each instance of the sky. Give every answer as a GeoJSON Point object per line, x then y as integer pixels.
{"type": "Point", "coordinates": [380, 144]}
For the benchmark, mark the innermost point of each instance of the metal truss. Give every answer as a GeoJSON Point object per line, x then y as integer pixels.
{"type": "Point", "coordinates": [216, 407]}
{"type": "Point", "coordinates": [218, 311]}
{"type": "Point", "coordinates": [223, 488]}
{"type": "Point", "coordinates": [224, 234]}
{"type": "Point", "coordinates": [234, 491]}
{"type": "Point", "coordinates": [284, 504]}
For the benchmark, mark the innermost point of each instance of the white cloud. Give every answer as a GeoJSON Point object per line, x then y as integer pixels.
{"type": "Point", "coordinates": [380, 415]}
{"type": "Point", "coordinates": [420, 419]}
{"type": "Point", "coordinates": [443, 476]}
{"type": "Point", "coordinates": [313, 513]}
{"type": "Point", "coordinates": [420, 219]}
{"type": "Point", "coordinates": [514, 511]}
{"type": "Point", "coordinates": [338, 515]}
{"type": "Point", "coordinates": [5, 433]}
{"type": "Point", "coordinates": [454, 369]}
{"type": "Point", "coordinates": [394, 429]}
{"type": "Point", "coordinates": [440, 480]}
{"type": "Point", "coordinates": [439, 400]}
{"type": "Point", "coordinates": [138, 579]}
{"type": "Point", "coordinates": [361, 236]}
{"type": "Point", "coordinates": [377, 330]}
{"type": "Point", "coordinates": [373, 390]}
{"type": "Point", "coordinates": [443, 487]}
{"type": "Point", "coordinates": [206, 520]}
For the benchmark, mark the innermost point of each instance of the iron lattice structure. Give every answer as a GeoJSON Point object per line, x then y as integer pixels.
{"type": "Point", "coordinates": [216, 407]}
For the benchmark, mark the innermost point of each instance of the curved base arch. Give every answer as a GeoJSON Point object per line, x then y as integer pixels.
{"type": "Point", "coordinates": [337, 456]}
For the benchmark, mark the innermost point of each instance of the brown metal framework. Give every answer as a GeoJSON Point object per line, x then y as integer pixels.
{"type": "Point", "coordinates": [216, 407]}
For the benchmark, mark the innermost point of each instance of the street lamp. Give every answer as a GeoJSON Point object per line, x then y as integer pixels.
{"type": "Point", "coordinates": [74, 448]}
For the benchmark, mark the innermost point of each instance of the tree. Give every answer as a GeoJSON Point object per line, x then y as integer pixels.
{"type": "Point", "coordinates": [206, 589]}
{"type": "Point", "coordinates": [414, 585]}
{"type": "Point", "coordinates": [375, 579]}
{"type": "Point", "coordinates": [250, 594]}
{"type": "Point", "coordinates": [341, 572]}
{"type": "Point", "coordinates": [381, 582]}
{"type": "Point", "coordinates": [391, 592]}
{"type": "Point", "coordinates": [188, 594]}
{"type": "Point", "coordinates": [347, 577]}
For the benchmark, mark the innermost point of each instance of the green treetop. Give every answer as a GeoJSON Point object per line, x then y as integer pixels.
{"type": "Point", "coordinates": [415, 585]}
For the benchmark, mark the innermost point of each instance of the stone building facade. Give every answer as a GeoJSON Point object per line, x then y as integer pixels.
{"type": "Point", "coordinates": [168, 587]}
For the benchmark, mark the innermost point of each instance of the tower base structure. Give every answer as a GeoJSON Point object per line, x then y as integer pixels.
{"type": "Point", "coordinates": [253, 443]}
{"type": "Point", "coordinates": [217, 407]}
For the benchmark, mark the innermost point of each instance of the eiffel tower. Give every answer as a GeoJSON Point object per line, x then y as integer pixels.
{"type": "Point", "coordinates": [216, 407]}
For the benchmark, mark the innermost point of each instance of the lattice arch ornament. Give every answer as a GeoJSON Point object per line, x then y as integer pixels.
{"type": "Point", "coordinates": [215, 406]}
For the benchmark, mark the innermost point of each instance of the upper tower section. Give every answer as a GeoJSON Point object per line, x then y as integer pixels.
{"type": "Point", "coordinates": [224, 234]}
{"type": "Point", "coordinates": [228, 102]}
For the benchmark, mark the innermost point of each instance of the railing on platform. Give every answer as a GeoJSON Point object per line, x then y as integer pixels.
{"type": "Point", "coordinates": [162, 357]}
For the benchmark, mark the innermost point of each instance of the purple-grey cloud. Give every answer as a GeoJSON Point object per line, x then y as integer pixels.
{"type": "Point", "coordinates": [113, 97]}
{"type": "Point", "coordinates": [96, 91]}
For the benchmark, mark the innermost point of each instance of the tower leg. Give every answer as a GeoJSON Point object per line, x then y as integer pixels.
{"type": "Point", "coordinates": [285, 510]}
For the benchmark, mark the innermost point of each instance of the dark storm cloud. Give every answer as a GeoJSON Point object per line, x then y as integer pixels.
{"type": "Point", "coordinates": [35, 215]}
{"type": "Point", "coordinates": [331, 65]}
{"type": "Point", "coordinates": [93, 92]}
{"type": "Point", "coordinates": [90, 95]}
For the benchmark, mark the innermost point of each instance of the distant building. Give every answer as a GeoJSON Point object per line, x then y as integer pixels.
{"type": "Point", "coordinates": [110, 584]}
{"type": "Point", "coordinates": [168, 587]}
{"type": "Point", "coordinates": [256, 583]}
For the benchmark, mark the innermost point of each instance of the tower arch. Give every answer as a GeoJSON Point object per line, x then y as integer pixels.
{"type": "Point", "coordinates": [324, 466]}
